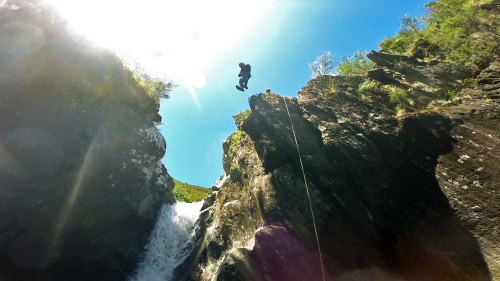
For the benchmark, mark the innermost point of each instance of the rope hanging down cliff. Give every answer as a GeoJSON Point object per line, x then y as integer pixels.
{"type": "Point", "coordinates": [307, 191]}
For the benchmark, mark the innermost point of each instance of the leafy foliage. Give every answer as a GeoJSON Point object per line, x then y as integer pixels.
{"type": "Point", "coordinates": [155, 88]}
{"type": "Point", "coordinates": [368, 85]}
{"type": "Point", "coordinates": [357, 64]}
{"type": "Point", "coordinates": [400, 98]}
{"type": "Point", "coordinates": [409, 32]}
{"type": "Point", "coordinates": [241, 117]}
{"type": "Point", "coordinates": [322, 65]}
{"type": "Point", "coordinates": [397, 95]}
{"type": "Point", "coordinates": [456, 26]}
{"type": "Point", "coordinates": [411, 24]}
{"type": "Point", "coordinates": [459, 28]}
{"type": "Point", "coordinates": [184, 192]}
{"type": "Point", "coordinates": [235, 138]}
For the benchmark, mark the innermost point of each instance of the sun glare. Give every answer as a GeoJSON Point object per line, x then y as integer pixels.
{"type": "Point", "coordinates": [178, 39]}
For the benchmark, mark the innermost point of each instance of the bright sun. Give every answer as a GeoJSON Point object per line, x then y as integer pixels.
{"type": "Point", "coordinates": [177, 39]}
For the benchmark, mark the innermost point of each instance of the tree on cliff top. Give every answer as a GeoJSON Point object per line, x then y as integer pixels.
{"type": "Point", "coordinates": [357, 64]}
{"type": "Point", "coordinates": [463, 30]}
{"type": "Point", "coordinates": [323, 65]}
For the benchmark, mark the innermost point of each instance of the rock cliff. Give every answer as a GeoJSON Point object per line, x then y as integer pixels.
{"type": "Point", "coordinates": [406, 192]}
{"type": "Point", "coordinates": [80, 174]}
{"type": "Point", "coordinates": [398, 193]}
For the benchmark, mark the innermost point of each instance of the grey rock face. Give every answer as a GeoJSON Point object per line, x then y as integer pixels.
{"type": "Point", "coordinates": [379, 185]}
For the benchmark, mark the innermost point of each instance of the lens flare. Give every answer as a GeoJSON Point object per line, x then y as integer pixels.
{"type": "Point", "coordinates": [198, 80]}
{"type": "Point", "coordinates": [71, 199]}
{"type": "Point", "coordinates": [179, 39]}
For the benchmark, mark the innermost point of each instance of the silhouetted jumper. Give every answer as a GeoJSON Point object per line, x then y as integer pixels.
{"type": "Point", "coordinates": [244, 76]}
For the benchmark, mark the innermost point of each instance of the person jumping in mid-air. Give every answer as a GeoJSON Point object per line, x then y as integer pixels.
{"type": "Point", "coordinates": [244, 76]}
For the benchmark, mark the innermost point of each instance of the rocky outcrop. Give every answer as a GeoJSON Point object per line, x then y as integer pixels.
{"type": "Point", "coordinates": [80, 174]}
{"type": "Point", "coordinates": [394, 198]}
{"type": "Point", "coordinates": [424, 81]}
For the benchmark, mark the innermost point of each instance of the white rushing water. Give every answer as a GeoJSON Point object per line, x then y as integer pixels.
{"type": "Point", "coordinates": [170, 241]}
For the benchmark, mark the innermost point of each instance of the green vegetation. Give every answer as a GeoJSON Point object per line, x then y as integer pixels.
{"type": "Point", "coordinates": [155, 88]}
{"type": "Point", "coordinates": [243, 190]}
{"type": "Point", "coordinates": [447, 94]}
{"type": "Point", "coordinates": [460, 29]}
{"type": "Point", "coordinates": [234, 166]}
{"type": "Point", "coordinates": [184, 192]}
{"type": "Point", "coordinates": [469, 83]}
{"type": "Point", "coordinates": [456, 26]}
{"type": "Point", "coordinates": [464, 32]}
{"type": "Point", "coordinates": [241, 117]}
{"type": "Point", "coordinates": [368, 85]}
{"type": "Point", "coordinates": [235, 138]}
{"type": "Point", "coordinates": [409, 32]}
{"type": "Point", "coordinates": [357, 64]}
{"type": "Point", "coordinates": [396, 95]}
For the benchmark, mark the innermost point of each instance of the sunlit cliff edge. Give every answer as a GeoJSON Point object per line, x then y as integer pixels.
{"type": "Point", "coordinates": [81, 180]}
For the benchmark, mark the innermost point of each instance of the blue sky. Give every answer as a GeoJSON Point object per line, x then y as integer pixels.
{"type": "Point", "coordinates": [198, 44]}
{"type": "Point", "coordinates": [281, 45]}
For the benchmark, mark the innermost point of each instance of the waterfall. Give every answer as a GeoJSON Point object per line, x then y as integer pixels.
{"type": "Point", "coordinates": [170, 241]}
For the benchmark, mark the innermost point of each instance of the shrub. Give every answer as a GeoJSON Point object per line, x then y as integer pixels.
{"type": "Point", "coordinates": [459, 28]}
{"type": "Point", "coordinates": [241, 117]}
{"type": "Point", "coordinates": [399, 44]}
{"type": "Point", "coordinates": [357, 64]}
{"type": "Point", "coordinates": [453, 25]}
{"type": "Point", "coordinates": [397, 95]}
{"type": "Point", "coordinates": [368, 85]}
{"type": "Point", "coordinates": [155, 88]}
{"type": "Point", "coordinates": [409, 32]}
{"type": "Point", "coordinates": [235, 138]}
